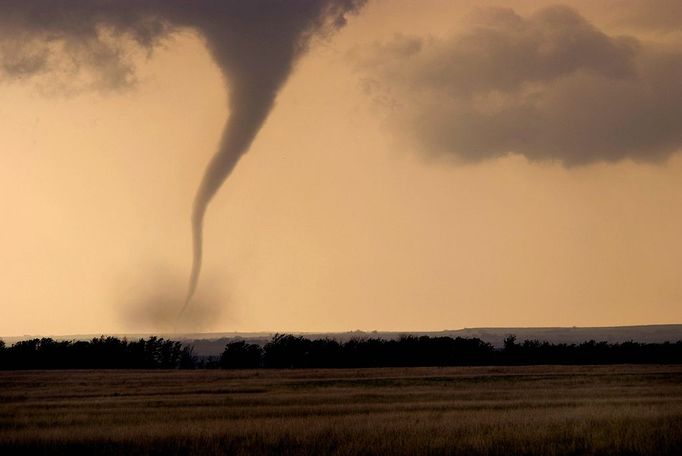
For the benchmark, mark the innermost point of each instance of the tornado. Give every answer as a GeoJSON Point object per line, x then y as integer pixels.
{"type": "Point", "coordinates": [255, 43]}
{"type": "Point", "coordinates": [256, 56]}
{"type": "Point", "coordinates": [240, 131]}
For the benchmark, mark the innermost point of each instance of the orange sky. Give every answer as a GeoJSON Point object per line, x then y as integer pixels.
{"type": "Point", "coordinates": [332, 221]}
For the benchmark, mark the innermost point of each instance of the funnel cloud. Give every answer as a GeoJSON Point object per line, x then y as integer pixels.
{"type": "Point", "coordinates": [255, 43]}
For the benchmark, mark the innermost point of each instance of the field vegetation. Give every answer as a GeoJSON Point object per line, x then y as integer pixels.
{"type": "Point", "coordinates": [614, 409]}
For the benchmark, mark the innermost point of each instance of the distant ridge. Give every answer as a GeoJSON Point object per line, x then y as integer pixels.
{"type": "Point", "coordinates": [210, 344]}
{"type": "Point", "coordinates": [611, 334]}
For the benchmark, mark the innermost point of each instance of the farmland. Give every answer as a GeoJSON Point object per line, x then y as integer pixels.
{"type": "Point", "coordinates": [618, 409]}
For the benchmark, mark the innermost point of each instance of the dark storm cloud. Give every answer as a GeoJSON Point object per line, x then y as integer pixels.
{"type": "Point", "coordinates": [69, 36]}
{"type": "Point", "coordinates": [660, 15]}
{"type": "Point", "coordinates": [550, 86]}
{"type": "Point", "coordinates": [254, 42]}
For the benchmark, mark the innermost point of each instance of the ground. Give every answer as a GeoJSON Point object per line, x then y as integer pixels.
{"type": "Point", "coordinates": [467, 410]}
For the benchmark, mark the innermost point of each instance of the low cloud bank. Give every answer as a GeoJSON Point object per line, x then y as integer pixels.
{"type": "Point", "coordinates": [550, 86]}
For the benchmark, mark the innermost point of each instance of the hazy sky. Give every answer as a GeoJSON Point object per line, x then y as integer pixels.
{"type": "Point", "coordinates": [429, 166]}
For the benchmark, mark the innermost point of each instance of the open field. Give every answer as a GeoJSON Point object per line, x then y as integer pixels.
{"type": "Point", "coordinates": [478, 410]}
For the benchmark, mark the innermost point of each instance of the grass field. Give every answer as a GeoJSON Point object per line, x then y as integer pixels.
{"type": "Point", "coordinates": [487, 410]}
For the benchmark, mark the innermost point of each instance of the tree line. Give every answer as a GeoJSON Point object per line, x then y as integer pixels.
{"type": "Point", "coordinates": [98, 353]}
{"type": "Point", "coordinates": [290, 352]}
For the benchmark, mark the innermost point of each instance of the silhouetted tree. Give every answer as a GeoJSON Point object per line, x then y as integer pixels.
{"type": "Point", "coordinates": [286, 351]}
{"type": "Point", "coordinates": [187, 358]}
{"type": "Point", "coordinates": [241, 355]}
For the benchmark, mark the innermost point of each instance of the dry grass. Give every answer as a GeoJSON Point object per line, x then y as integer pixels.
{"type": "Point", "coordinates": [510, 410]}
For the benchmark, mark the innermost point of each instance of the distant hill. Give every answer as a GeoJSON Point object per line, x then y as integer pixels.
{"type": "Point", "coordinates": [212, 344]}
{"type": "Point", "coordinates": [611, 334]}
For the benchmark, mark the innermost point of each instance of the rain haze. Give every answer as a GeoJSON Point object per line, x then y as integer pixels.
{"type": "Point", "coordinates": [389, 165]}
